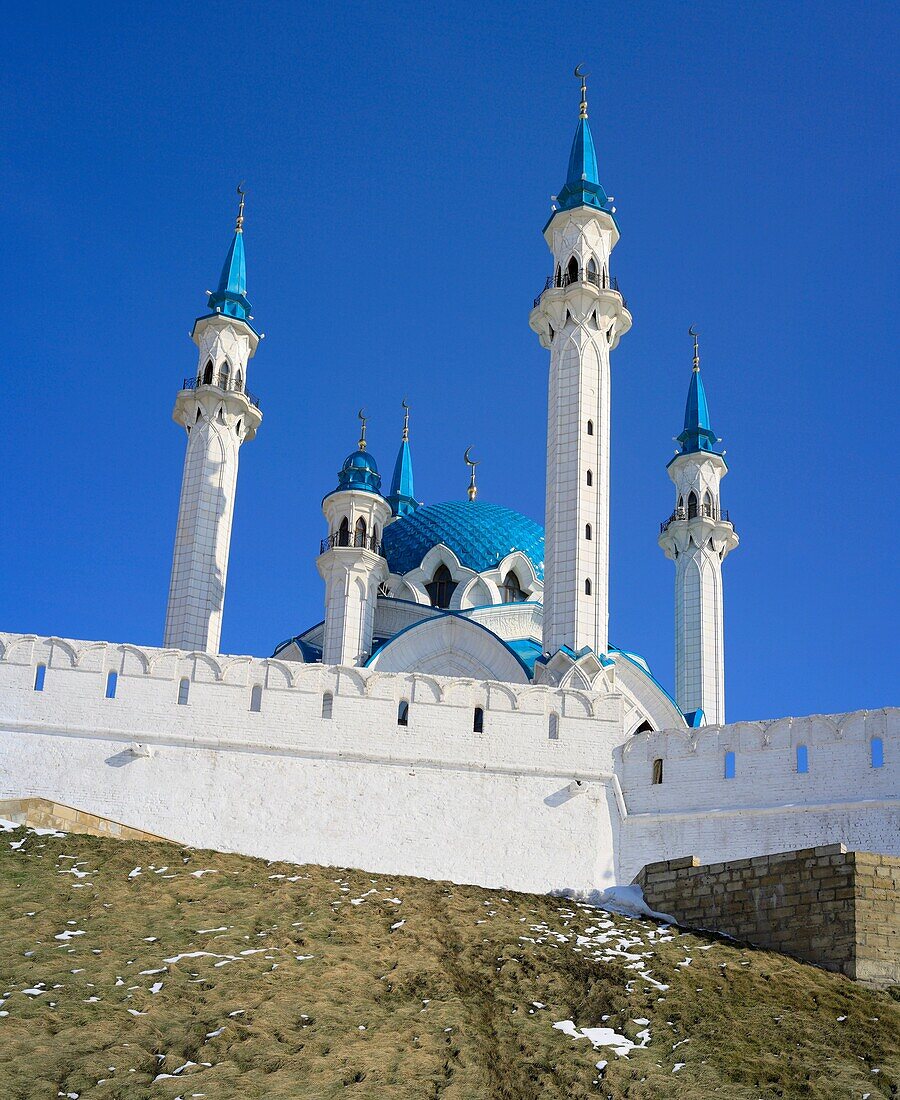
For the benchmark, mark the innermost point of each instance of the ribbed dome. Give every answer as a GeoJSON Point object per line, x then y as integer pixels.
{"type": "Point", "coordinates": [479, 534]}
{"type": "Point", "coordinates": [360, 471]}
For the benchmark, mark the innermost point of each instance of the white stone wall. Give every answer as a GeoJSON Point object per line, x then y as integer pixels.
{"type": "Point", "coordinates": [433, 798]}
{"type": "Point", "coordinates": [505, 807]}
{"type": "Point", "coordinates": [768, 806]}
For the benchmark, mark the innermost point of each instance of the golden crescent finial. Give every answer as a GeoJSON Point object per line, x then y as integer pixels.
{"type": "Point", "coordinates": [582, 76]}
{"type": "Point", "coordinates": [362, 431]}
{"type": "Point", "coordinates": [696, 335]}
{"type": "Point", "coordinates": [404, 404]}
{"type": "Point", "coordinates": [239, 224]}
{"type": "Point", "coordinates": [473, 489]}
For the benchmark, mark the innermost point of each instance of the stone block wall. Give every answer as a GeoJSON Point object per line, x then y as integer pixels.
{"type": "Point", "coordinates": [825, 905]}
{"type": "Point", "coordinates": [42, 813]}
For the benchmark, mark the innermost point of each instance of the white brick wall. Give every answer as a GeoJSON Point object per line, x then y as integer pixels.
{"type": "Point", "coordinates": [433, 798]}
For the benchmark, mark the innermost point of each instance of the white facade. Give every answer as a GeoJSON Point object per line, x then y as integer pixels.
{"type": "Point", "coordinates": [697, 538]}
{"type": "Point", "coordinates": [580, 318]}
{"type": "Point", "coordinates": [218, 417]}
{"type": "Point", "coordinates": [550, 795]}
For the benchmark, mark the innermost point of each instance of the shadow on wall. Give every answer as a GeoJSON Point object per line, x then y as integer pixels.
{"type": "Point", "coordinates": [566, 794]}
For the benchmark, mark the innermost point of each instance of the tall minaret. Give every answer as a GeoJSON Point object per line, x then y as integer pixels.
{"type": "Point", "coordinates": [580, 317]}
{"type": "Point", "coordinates": [351, 561]}
{"type": "Point", "coordinates": [218, 414]}
{"type": "Point", "coordinates": [697, 536]}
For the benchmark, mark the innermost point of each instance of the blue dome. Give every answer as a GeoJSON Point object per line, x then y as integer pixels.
{"type": "Point", "coordinates": [360, 471]}
{"type": "Point", "coordinates": [480, 534]}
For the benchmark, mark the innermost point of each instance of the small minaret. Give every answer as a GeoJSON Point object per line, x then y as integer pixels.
{"type": "Point", "coordinates": [218, 414]}
{"type": "Point", "coordinates": [402, 495]}
{"type": "Point", "coordinates": [351, 562]}
{"type": "Point", "coordinates": [697, 536]}
{"type": "Point", "coordinates": [579, 317]}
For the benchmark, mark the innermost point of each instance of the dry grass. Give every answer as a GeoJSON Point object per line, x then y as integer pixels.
{"type": "Point", "coordinates": [438, 1006]}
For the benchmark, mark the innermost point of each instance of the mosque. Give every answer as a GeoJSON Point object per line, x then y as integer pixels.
{"type": "Point", "coordinates": [468, 588]}
{"type": "Point", "coordinates": [460, 712]}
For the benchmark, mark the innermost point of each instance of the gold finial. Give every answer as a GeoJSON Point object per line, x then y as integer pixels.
{"type": "Point", "coordinates": [696, 335]}
{"type": "Point", "coordinates": [405, 408]}
{"type": "Point", "coordinates": [583, 78]}
{"type": "Point", "coordinates": [473, 488]}
{"type": "Point", "coordinates": [239, 224]}
{"type": "Point", "coordinates": [362, 431]}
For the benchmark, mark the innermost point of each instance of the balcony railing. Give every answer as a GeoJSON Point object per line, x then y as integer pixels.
{"type": "Point", "coordinates": [337, 541]}
{"type": "Point", "coordinates": [193, 383]}
{"type": "Point", "coordinates": [598, 279]}
{"type": "Point", "coordinates": [702, 513]}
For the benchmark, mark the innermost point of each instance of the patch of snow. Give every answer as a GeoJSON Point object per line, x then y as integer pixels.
{"type": "Point", "coordinates": [205, 871]}
{"type": "Point", "coordinates": [629, 901]}
{"type": "Point", "coordinates": [604, 1037]}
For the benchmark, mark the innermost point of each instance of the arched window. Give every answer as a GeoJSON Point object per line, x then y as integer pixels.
{"type": "Point", "coordinates": [587, 532]}
{"type": "Point", "coordinates": [590, 477]}
{"type": "Point", "coordinates": [237, 428]}
{"type": "Point", "coordinates": [802, 759]}
{"type": "Point", "coordinates": [344, 532]}
{"type": "Point", "coordinates": [590, 427]}
{"type": "Point", "coordinates": [208, 373]}
{"type": "Point", "coordinates": [327, 704]}
{"type": "Point", "coordinates": [39, 675]}
{"type": "Point", "coordinates": [375, 539]}
{"type": "Point", "coordinates": [184, 688]}
{"type": "Point", "coordinates": [239, 380]}
{"type": "Point", "coordinates": [403, 713]}
{"type": "Point", "coordinates": [692, 505]}
{"type": "Point", "coordinates": [442, 587]}
{"type": "Point", "coordinates": [224, 375]}
{"type": "Point", "coordinates": [558, 275]}
{"type": "Point", "coordinates": [572, 271]}
{"type": "Point", "coordinates": [707, 504]}
{"type": "Point", "coordinates": [510, 591]}
{"type": "Point", "coordinates": [554, 726]}
{"type": "Point", "coordinates": [679, 511]}
{"type": "Point", "coordinates": [587, 587]}
{"type": "Point", "coordinates": [359, 532]}
{"type": "Point", "coordinates": [730, 765]}
{"type": "Point", "coordinates": [112, 682]}
{"type": "Point", "coordinates": [657, 771]}
{"type": "Point", "coordinates": [644, 727]}
{"type": "Point", "coordinates": [876, 750]}
{"type": "Point", "coordinates": [478, 720]}
{"type": "Point", "coordinates": [592, 266]}
{"type": "Point", "coordinates": [256, 698]}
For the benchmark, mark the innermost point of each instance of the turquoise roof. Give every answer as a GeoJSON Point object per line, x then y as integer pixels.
{"type": "Point", "coordinates": [230, 297]}
{"type": "Point", "coordinates": [479, 534]}
{"type": "Point", "coordinates": [402, 495]}
{"type": "Point", "coordinates": [360, 471]}
{"type": "Point", "coordinates": [697, 434]}
{"type": "Point", "coordinates": [582, 186]}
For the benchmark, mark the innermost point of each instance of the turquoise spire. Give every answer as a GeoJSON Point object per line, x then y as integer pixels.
{"type": "Point", "coordinates": [582, 186]}
{"type": "Point", "coordinates": [401, 497]}
{"type": "Point", "coordinates": [697, 434]}
{"type": "Point", "coordinates": [230, 297]}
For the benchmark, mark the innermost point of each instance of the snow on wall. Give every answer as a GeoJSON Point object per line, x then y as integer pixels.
{"type": "Point", "coordinates": [511, 806]}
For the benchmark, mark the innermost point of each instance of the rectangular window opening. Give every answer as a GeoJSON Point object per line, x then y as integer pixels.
{"type": "Point", "coordinates": [802, 760]}
{"type": "Point", "coordinates": [112, 682]}
{"type": "Point", "coordinates": [39, 673]}
{"type": "Point", "coordinates": [729, 765]}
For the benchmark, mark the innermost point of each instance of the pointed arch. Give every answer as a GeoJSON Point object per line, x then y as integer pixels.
{"type": "Point", "coordinates": [572, 270]}
{"type": "Point", "coordinates": [239, 380]}
{"type": "Point", "coordinates": [692, 505]}
{"type": "Point", "coordinates": [224, 375]}
{"type": "Point", "coordinates": [359, 532]}
{"type": "Point", "coordinates": [208, 373]}
{"type": "Point", "coordinates": [707, 503]}
{"type": "Point", "coordinates": [344, 532]}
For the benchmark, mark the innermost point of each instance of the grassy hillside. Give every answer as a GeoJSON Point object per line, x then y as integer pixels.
{"type": "Point", "coordinates": [146, 970]}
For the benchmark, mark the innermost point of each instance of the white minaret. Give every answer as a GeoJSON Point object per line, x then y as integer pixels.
{"type": "Point", "coordinates": [218, 414]}
{"type": "Point", "coordinates": [351, 562]}
{"type": "Point", "coordinates": [697, 536]}
{"type": "Point", "coordinates": [580, 317]}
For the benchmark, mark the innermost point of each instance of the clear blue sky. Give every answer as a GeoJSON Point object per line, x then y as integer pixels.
{"type": "Point", "coordinates": [399, 162]}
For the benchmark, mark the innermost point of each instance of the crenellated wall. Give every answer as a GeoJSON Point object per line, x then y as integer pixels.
{"type": "Point", "coordinates": [768, 805]}
{"type": "Point", "coordinates": [531, 802]}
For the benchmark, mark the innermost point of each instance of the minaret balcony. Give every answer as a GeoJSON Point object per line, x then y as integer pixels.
{"type": "Point", "coordinates": [681, 515]}
{"type": "Point", "coordinates": [599, 279]}
{"type": "Point", "coordinates": [196, 383]}
{"type": "Point", "coordinates": [339, 541]}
